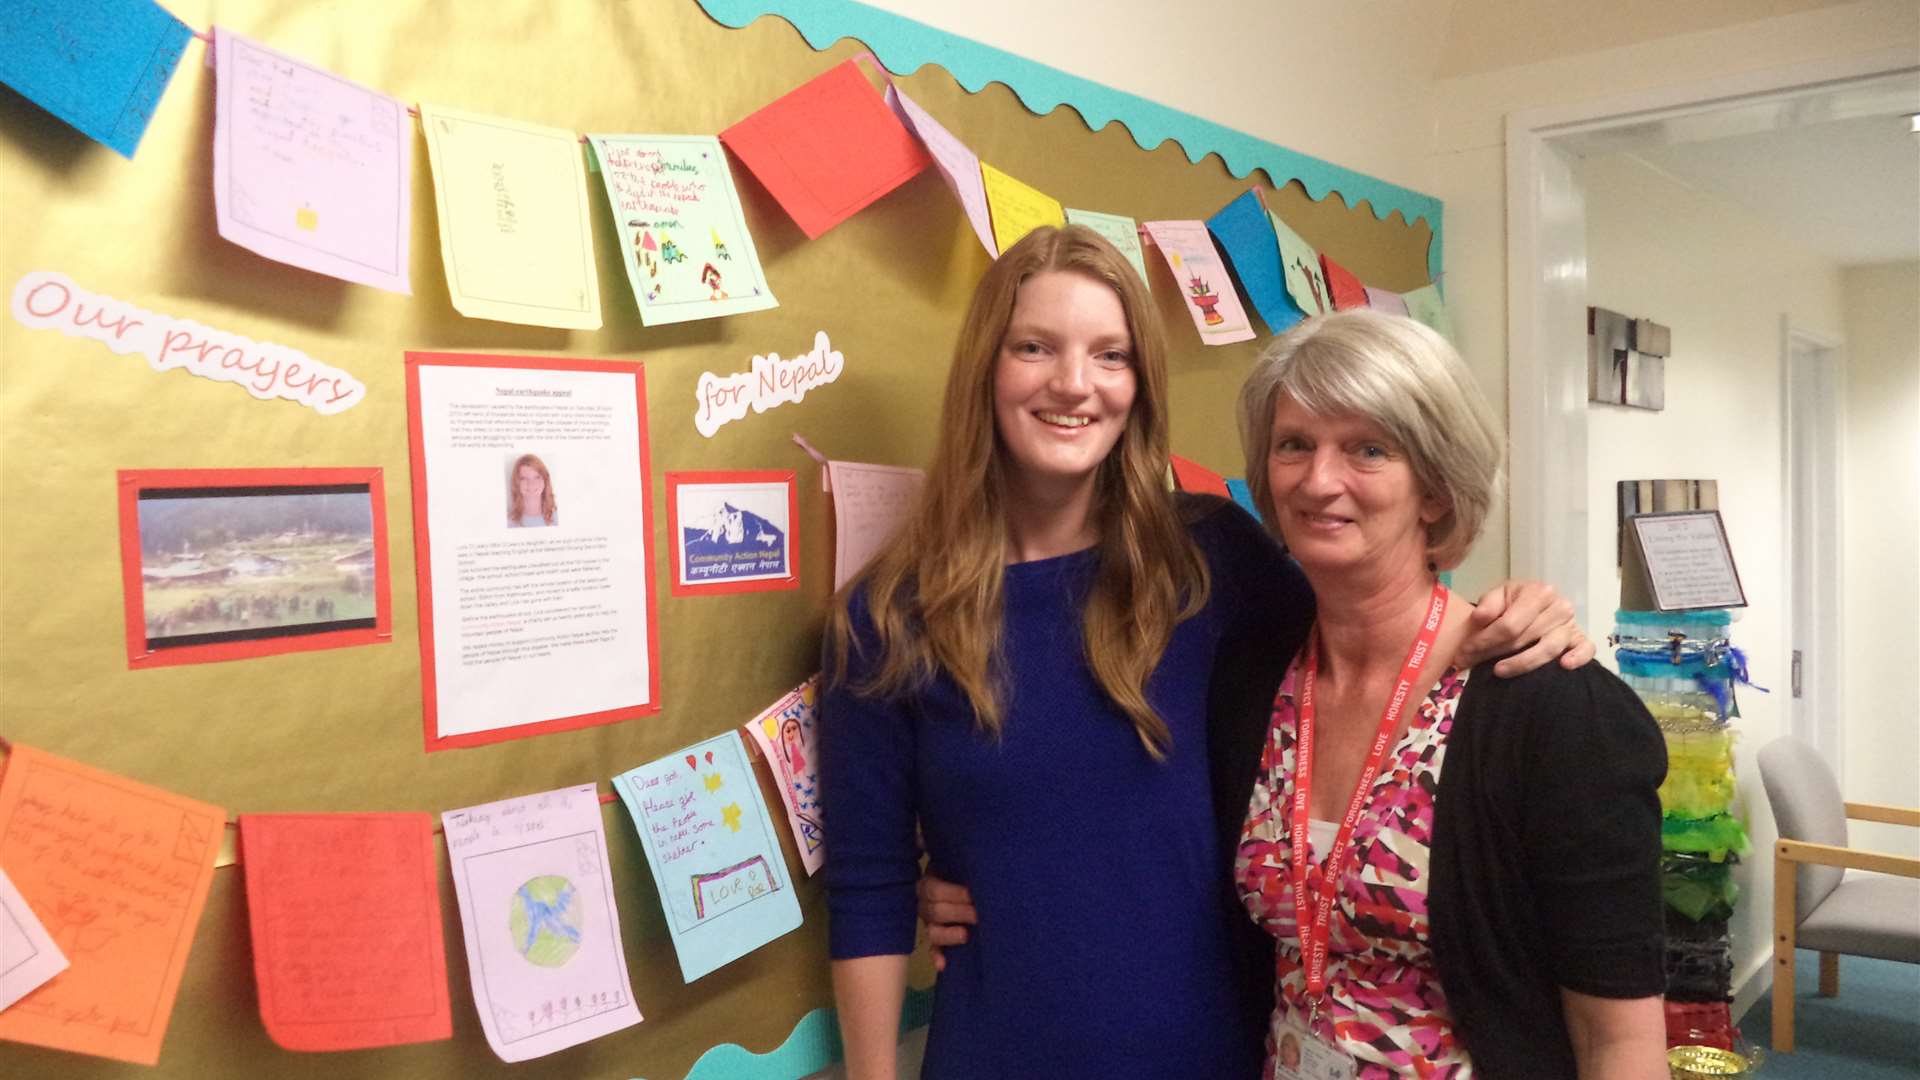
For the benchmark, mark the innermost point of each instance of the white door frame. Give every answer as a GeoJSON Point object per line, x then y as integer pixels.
{"type": "Point", "coordinates": [1812, 470]}
{"type": "Point", "coordinates": [1547, 285]}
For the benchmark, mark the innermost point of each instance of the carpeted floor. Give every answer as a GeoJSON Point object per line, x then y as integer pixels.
{"type": "Point", "coordinates": [1870, 1031]}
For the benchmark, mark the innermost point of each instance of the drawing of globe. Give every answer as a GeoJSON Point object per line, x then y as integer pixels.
{"type": "Point", "coordinates": [545, 921]}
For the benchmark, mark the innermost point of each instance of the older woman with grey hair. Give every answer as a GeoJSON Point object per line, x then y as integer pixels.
{"type": "Point", "coordinates": [1460, 873]}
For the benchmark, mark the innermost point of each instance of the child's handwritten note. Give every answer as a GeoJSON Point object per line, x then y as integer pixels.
{"type": "Point", "coordinates": [1119, 230]}
{"type": "Point", "coordinates": [310, 169]}
{"type": "Point", "coordinates": [682, 236]}
{"type": "Point", "coordinates": [827, 149]}
{"type": "Point", "coordinates": [958, 166]}
{"type": "Point", "coordinates": [1342, 285]}
{"type": "Point", "coordinates": [100, 66]}
{"type": "Point", "coordinates": [1203, 280]}
{"type": "Point", "coordinates": [118, 872]}
{"type": "Point", "coordinates": [723, 882]}
{"type": "Point", "coordinates": [870, 503]}
{"type": "Point", "coordinates": [28, 954]}
{"type": "Point", "coordinates": [347, 945]}
{"type": "Point", "coordinates": [515, 233]}
{"type": "Point", "coordinates": [542, 931]}
{"type": "Point", "coordinates": [1246, 236]}
{"type": "Point", "coordinates": [1306, 283]}
{"type": "Point", "coordinates": [784, 733]}
{"type": "Point", "coordinates": [1017, 208]}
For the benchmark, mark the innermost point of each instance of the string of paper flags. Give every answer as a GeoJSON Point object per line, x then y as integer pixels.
{"type": "Point", "coordinates": [313, 170]}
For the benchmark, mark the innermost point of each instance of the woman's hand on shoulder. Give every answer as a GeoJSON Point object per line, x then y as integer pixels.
{"type": "Point", "coordinates": [947, 911]}
{"type": "Point", "coordinates": [1529, 616]}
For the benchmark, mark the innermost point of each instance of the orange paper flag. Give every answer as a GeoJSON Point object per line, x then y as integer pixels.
{"type": "Point", "coordinates": [1346, 289]}
{"type": "Point", "coordinates": [1193, 476]}
{"type": "Point", "coordinates": [118, 872]}
{"type": "Point", "coordinates": [827, 149]}
{"type": "Point", "coordinates": [347, 945]}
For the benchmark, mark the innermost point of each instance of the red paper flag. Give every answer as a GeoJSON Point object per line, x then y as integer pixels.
{"type": "Point", "coordinates": [827, 149]}
{"type": "Point", "coordinates": [1195, 477]}
{"type": "Point", "coordinates": [1346, 289]}
{"type": "Point", "coordinates": [347, 944]}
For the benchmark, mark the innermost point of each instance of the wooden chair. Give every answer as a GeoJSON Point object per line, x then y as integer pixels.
{"type": "Point", "coordinates": [1827, 896]}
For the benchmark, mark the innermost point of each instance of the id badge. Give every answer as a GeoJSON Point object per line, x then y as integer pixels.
{"type": "Point", "coordinates": [1298, 1054]}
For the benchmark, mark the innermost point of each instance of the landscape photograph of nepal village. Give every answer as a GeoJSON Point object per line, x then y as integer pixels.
{"type": "Point", "coordinates": [245, 563]}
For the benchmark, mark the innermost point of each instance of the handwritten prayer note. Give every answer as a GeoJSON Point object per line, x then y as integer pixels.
{"type": "Point", "coordinates": [958, 166]}
{"type": "Point", "coordinates": [1203, 280]}
{"type": "Point", "coordinates": [682, 237]}
{"type": "Point", "coordinates": [100, 66]}
{"type": "Point", "coordinates": [118, 872]}
{"type": "Point", "coordinates": [28, 954]}
{"type": "Point", "coordinates": [784, 733]}
{"type": "Point", "coordinates": [827, 149]}
{"type": "Point", "coordinates": [1306, 283]}
{"type": "Point", "coordinates": [1246, 236]}
{"type": "Point", "coordinates": [870, 503]}
{"type": "Point", "coordinates": [310, 169]}
{"type": "Point", "coordinates": [347, 945]}
{"type": "Point", "coordinates": [542, 931]}
{"type": "Point", "coordinates": [1119, 230]}
{"type": "Point", "coordinates": [515, 233]}
{"type": "Point", "coordinates": [1017, 208]}
{"type": "Point", "coordinates": [711, 846]}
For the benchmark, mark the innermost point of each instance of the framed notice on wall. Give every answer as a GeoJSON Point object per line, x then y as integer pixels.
{"type": "Point", "coordinates": [1685, 560]}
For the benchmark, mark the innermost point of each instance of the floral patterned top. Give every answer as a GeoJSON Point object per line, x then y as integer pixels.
{"type": "Point", "coordinates": [1383, 1004]}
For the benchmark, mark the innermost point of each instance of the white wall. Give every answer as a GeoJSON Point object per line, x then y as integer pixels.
{"type": "Point", "coordinates": [1881, 534]}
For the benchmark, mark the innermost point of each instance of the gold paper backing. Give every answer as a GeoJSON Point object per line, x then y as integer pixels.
{"type": "Point", "coordinates": [340, 730]}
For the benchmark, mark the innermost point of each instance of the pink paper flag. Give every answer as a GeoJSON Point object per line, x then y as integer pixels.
{"type": "Point", "coordinates": [785, 735]}
{"type": "Point", "coordinates": [310, 169]}
{"type": "Point", "coordinates": [347, 945]}
{"type": "Point", "coordinates": [1385, 300]}
{"type": "Point", "coordinates": [1203, 280]}
{"type": "Point", "coordinates": [958, 166]}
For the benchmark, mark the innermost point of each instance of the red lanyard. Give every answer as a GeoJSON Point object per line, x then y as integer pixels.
{"type": "Point", "coordinates": [1313, 932]}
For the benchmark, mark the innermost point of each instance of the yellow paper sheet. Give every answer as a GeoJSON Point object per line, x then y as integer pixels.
{"type": "Point", "coordinates": [515, 232]}
{"type": "Point", "coordinates": [1017, 209]}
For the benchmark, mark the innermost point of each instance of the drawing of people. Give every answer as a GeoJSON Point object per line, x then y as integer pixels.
{"type": "Point", "coordinates": [710, 277]}
{"type": "Point", "coordinates": [530, 502]}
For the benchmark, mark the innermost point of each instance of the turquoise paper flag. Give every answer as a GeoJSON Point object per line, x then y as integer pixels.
{"type": "Point", "coordinates": [1243, 495]}
{"type": "Point", "coordinates": [100, 66]}
{"type": "Point", "coordinates": [723, 882]}
{"type": "Point", "coordinates": [1247, 237]}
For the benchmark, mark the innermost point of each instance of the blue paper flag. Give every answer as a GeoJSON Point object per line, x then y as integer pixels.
{"type": "Point", "coordinates": [723, 882]}
{"type": "Point", "coordinates": [1243, 495]}
{"type": "Point", "coordinates": [100, 66]}
{"type": "Point", "coordinates": [1246, 236]}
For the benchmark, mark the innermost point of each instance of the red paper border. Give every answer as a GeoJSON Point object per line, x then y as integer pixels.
{"type": "Point", "coordinates": [133, 481]}
{"type": "Point", "coordinates": [423, 563]}
{"type": "Point", "coordinates": [675, 480]}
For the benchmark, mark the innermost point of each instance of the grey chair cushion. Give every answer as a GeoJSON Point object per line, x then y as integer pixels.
{"type": "Point", "coordinates": [1868, 915]}
{"type": "Point", "coordinates": [1806, 806]}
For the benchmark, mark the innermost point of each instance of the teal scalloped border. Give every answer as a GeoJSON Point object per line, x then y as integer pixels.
{"type": "Point", "coordinates": [904, 45]}
{"type": "Point", "coordinates": [813, 1045]}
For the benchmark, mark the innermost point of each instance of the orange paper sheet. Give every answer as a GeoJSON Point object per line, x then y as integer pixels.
{"type": "Point", "coordinates": [1193, 476]}
{"type": "Point", "coordinates": [347, 945]}
{"type": "Point", "coordinates": [1347, 290]}
{"type": "Point", "coordinates": [118, 872]}
{"type": "Point", "coordinates": [827, 149]}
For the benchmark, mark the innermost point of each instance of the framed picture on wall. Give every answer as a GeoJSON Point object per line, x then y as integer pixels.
{"type": "Point", "coordinates": [223, 564]}
{"type": "Point", "coordinates": [732, 531]}
{"type": "Point", "coordinates": [1619, 371]}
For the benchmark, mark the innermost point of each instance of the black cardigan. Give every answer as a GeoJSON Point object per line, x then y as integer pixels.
{"type": "Point", "coordinates": [1546, 848]}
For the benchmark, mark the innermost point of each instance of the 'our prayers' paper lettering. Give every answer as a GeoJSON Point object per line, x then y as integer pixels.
{"type": "Point", "coordinates": [45, 300]}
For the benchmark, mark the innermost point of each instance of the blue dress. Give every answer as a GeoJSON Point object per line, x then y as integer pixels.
{"type": "Point", "coordinates": [1098, 873]}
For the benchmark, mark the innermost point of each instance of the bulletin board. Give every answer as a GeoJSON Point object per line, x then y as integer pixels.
{"type": "Point", "coordinates": [340, 729]}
